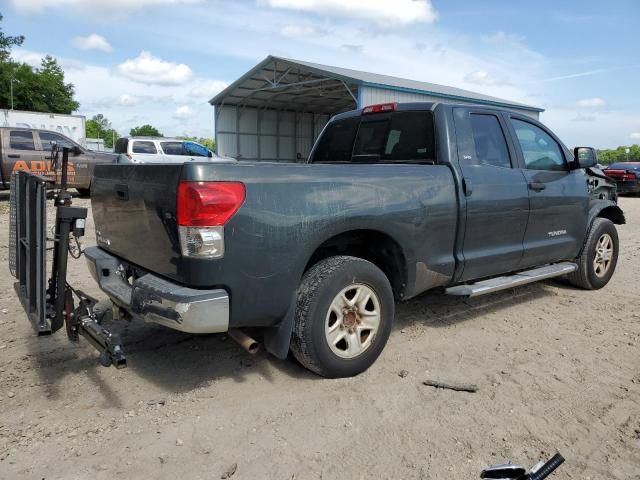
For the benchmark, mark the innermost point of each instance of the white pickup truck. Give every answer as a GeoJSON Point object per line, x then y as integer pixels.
{"type": "Point", "coordinates": [163, 150]}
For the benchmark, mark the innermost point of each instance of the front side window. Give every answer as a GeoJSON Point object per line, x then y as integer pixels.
{"type": "Point", "coordinates": [47, 138]}
{"type": "Point", "coordinates": [540, 150]}
{"type": "Point", "coordinates": [21, 140]}
{"type": "Point", "coordinates": [489, 140]}
{"type": "Point", "coordinates": [143, 147]}
{"type": "Point", "coordinates": [172, 148]}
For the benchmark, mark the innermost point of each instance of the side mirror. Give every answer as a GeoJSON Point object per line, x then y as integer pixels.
{"type": "Point", "coordinates": [76, 150]}
{"type": "Point", "coordinates": [210, 154]}
{"type": "Point", "coordinates": [585, 157]}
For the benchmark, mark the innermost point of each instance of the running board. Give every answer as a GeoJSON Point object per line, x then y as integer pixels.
{"type": "Point", "coordinates": [509, 281]}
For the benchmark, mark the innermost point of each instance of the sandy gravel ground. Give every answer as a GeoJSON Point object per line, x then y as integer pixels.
{"type": "Point", "coordinates": [558, 369]}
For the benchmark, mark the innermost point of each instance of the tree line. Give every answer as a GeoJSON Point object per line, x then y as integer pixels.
{"type": "Point", "coordinates": [620, 154]}
{"type": "Point", "coordinates": [43, 89]}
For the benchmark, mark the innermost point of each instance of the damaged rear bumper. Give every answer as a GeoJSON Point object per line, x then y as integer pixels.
{"type": "Point", "coordinates": [157, 300]}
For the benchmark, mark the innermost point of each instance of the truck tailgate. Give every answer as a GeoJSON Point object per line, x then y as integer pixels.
{"type": "Point", "coordinates": [134, 210]}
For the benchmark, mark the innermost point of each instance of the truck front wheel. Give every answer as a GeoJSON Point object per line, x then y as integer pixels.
{"type": "Point", "coordinates": [599, 256]}
{"type": "Point", "coordinates": [344, 314]}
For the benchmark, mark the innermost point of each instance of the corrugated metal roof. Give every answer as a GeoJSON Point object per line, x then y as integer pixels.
{"type": "Point", "coordinates": [358, 77]}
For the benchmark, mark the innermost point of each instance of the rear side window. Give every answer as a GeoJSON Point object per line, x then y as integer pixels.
{"type": "Point", "coordinates": [172, 148]}
{"type": "Point", "coordinates": [489, 140]}
{"type": "Point", "coordinates": [540, 150]}
{"type": "Point", "coordinates": [143, 147]}
{"type": "Point", "coordinates": [121, 145]}
{"type": "Point", "coordinates": [21, 140]}
{"type": "Point", "coordinates": [336, 142]}
{"type": "Point", "coordinates": [399, 137]}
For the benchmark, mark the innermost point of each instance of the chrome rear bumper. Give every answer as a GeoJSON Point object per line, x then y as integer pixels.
{"type": "Point", "coordinates": [159, 301]}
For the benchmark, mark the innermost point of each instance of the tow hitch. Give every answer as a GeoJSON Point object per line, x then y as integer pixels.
{"type": "Point", "coordinates": [53, 303]}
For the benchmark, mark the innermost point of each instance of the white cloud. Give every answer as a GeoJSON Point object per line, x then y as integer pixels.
{"type": "Point", "coordinates": [129, 100]}
{"type": "Point", "coordinates": [482, 77]}
{"type": "Point", "coordinates": [583, 118]}
{"type": "Point", "coordinates": [301, 31]}
{"type": "Point", "coordinates": [635, 135]}
{"type": "Point", "coordinates": [92, 42]}
{"type": "Point", "coordinates": [594, 102]}
{"type": "Point", "coordinates": [383, 12]}
{"type": "Point", "coordinates": [39, 6]}
{"type": "Point", "coordinates": [146, 68]}
{"type": "Point", "coordinates": [183, 111]}
{"type": "Point", "coordinates": [207, 89]}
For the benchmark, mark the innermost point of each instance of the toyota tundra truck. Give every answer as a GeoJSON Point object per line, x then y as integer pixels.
{"type": "Point", "coordinates": [394, 200]}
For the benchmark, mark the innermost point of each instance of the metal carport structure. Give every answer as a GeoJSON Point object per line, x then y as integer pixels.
{"type": "Point", "coordinates": [277, 109]}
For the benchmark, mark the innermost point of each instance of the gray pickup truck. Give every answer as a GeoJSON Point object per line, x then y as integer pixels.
{"type": "Point", "coordinates": [30, 150]}
{"type": "Point", "coordinates": [394, 200]}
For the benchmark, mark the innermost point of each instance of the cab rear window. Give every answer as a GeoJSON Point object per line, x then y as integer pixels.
{"type": "Point", "coordinates": [398, 137]}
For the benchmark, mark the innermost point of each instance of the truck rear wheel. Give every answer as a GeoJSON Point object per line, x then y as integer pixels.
{"type": "Point", "coordinates": [84, 192]}
{"type": "Point", "coordinates": [599, 257]}
{"type": "Point", "coordinates": [344, 314]}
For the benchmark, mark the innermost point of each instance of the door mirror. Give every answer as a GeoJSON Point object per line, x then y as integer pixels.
{"type": "Point", "coordinates": [210, 154]}
{"type": "Point", "coordinates": [76, 150]}
{"type": "Point", "coordinates": [585, 157]}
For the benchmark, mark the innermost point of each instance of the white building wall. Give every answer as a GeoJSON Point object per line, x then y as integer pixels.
{"type": "Point", "coordinates": [258, 134]}
{"type": "Point", "coordinates": [374, 95]}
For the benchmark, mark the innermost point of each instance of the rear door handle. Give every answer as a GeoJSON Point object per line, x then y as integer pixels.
{"type": "Point", "coordinates": [13, 155]}
{"type": "Point", "coordinates": [467, 185]}
{"type": "Point", "coordinates": [537, 186]}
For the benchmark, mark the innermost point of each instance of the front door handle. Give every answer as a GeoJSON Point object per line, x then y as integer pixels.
{"type": "Point", "coordinates": [13, 155]}
{"type": "Point", "coordinates": [537, 186]}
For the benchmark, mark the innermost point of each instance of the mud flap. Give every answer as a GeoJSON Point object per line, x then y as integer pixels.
{"type": "Point", "coordinates": [278, 338]}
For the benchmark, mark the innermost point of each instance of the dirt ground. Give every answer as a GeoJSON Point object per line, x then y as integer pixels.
{"type": "Point", "coordinates": [557, 369]}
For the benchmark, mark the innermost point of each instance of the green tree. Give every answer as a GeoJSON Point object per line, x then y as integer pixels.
{"type": "Point", "coordinates": [99, 126]}
{"type": "Point", "coordinates": [616, 155]}
{"type": "Point", "coordinates": [145, 131]}
{"type": "Point", "coordinates": [40, 89]}
{"type": "Point", "coordinates": [8, 41]}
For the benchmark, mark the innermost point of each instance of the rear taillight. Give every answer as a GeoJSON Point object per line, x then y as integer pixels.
{"type": "Point", "coordinates": [202, 211]}
{"type": "Point", "coordinates": [380, 108]}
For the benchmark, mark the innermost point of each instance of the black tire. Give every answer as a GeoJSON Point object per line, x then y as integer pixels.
{"type": "Point", "coordinates": [586, 276]}
{"type": "Point", "coordinates": [84, 192]}
{"type": "Point", "coordinates": [320, 286]}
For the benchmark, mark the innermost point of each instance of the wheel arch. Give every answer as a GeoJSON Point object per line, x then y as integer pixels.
{"type": "Point", "coordinates": [375, 246]}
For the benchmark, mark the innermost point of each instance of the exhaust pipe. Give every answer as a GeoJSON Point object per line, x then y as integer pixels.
{"type": "Point", "coordinates": [244, 340]}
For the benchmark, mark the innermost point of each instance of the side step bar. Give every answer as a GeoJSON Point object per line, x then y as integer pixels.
{"type": "Point", "coordinates": [509, 281]}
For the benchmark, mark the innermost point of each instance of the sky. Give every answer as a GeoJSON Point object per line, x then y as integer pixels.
{"type": "Point", "coordinates": [160, 61]}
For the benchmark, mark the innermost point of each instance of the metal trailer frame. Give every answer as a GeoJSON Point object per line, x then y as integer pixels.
{"type": "Point", "coordinates": [51, 304]}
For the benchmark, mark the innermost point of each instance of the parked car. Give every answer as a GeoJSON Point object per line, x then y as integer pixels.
{"type": "Point", "coordinates": [30, 149]}
{"type": "Point", "coordinates": [395, 199]}
{"type": "Point", "coordinates": [163, 150]}
{"type": "Point", "coordinates": [626, 176]}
